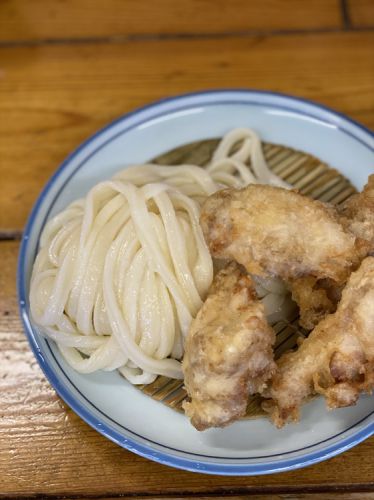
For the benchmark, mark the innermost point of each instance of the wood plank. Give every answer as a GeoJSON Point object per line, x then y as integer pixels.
{"type": "Point", "coordinates": [281, 496]}
{"type": "Point", "coordinates": [42, 19]}
{"type": "Point", "coordinates": [361, 13]}
{"type": "Point", "coordinates": [46, 449]}
{"type": "Point", "coordinates": [53, 97]}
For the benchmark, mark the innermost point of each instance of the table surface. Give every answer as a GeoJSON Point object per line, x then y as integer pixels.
{"type": "Point", "coordinates": [66, 69]}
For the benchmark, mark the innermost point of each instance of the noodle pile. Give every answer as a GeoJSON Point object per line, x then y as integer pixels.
{"type": "Point", "coordinates": [121, 273]}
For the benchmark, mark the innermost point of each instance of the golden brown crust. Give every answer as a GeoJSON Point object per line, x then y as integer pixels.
{"type": "Point", "coordinates": [274, 231]}
{"type": "Point", "coordinates": [315, 298]}
{"type": "Point", "coordinates": [357, 216]}
{"type": "Point", "coordinates": [228, 351]}
{"type": "Point", "coordinates": [336, 360]}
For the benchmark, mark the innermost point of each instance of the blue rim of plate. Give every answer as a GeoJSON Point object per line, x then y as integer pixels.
{"type": "Point", "coordinates": [67, 394]}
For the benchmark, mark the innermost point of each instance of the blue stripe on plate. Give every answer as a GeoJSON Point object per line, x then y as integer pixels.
{"type": "Point", "coordinates": [221, 97]}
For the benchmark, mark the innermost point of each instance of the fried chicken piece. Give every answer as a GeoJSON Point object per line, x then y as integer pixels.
{"type": "Point", "coordinates": [228, 351]}
{"type": "Point", "coordinates": [316, 298]}
{"type": "Point", "coordinates": [336, 360]}
{"type": "Point", "coordinates": [357, 216]}
{"type": "Point", "coordinates": [270, 230]}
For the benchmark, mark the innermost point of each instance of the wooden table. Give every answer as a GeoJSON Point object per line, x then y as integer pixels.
{"type": "Point", "coordinates": [66, 69]}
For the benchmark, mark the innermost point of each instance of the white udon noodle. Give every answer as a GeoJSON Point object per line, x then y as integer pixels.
{"type": "Point", "coordinates": [121, 273]}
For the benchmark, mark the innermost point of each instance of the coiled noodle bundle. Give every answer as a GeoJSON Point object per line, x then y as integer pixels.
{"type": "Point", "coordinates": [121, 273]}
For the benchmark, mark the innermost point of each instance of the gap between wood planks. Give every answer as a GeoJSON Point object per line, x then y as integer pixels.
{"type": "Point", "coordinates": [346, 18]}
{"type": "Point", "coordinates": [186, 36]}
{"type": "Point", "coordinates": [233, 493]}
{"type": "Point", "coordinates": [10, 235]}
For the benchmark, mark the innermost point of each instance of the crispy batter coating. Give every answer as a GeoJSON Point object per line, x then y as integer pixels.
{"type": "Point", "coordinates": [228, 351]}
{"type": "Point", "coordinates": [357, 216]}
{"type": "Point", "coordinates": [336, 360]}
{"type": "Point", "coordinates": [274, 231]}
{"type": "Point", "coordinates": [316, 298]}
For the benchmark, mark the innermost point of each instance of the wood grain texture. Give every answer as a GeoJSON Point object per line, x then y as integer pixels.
{"type": "Point", "coordinates": [43, 19]}
{"type": "Point", "coordinates": [361, 13]}
{"type": "Point", "coordinates": [53, 97]}
{"type": "Point", "coordinates": [286, 496]}
{"type": "Point", "coordinates": [46, 449]}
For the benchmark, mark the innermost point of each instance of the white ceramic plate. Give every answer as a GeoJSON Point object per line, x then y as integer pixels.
{"type": "Point", "coordinates": [111, 405]}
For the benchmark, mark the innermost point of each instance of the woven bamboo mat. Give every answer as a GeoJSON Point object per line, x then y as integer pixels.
{"type": "Point", "coordinates": [304, 172]}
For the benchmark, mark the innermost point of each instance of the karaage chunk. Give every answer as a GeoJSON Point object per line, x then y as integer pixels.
{"type": "Point", "coordinates": [336, 360]}
{"type": "Point", "coordinates": [357, 216]}
{"type": "Point", "coordinates": [274, 231]}
{"type": "Point", "coordinates": [318, 297]}
{"type": "Point", "coordinates": [313, 299]}
{"type": "Point", "coordinates": [228, 351]}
